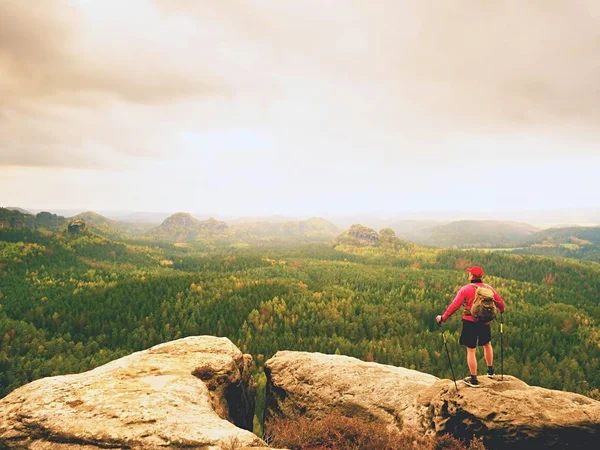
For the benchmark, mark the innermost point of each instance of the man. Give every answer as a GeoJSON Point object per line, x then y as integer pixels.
{"type": "Point", "coordinates": [474, 332]}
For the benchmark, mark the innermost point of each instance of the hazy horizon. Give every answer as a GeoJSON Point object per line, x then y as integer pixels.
{"type": "Point", "coordinates": [312, 108]}
{"type": "Point", "coordinates": [539, 218]}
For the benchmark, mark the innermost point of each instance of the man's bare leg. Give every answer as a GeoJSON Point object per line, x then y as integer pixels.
{"type": "Point", "coordinates": [472, 360]}
{"type": "Point", "coordinates": [488, 354]}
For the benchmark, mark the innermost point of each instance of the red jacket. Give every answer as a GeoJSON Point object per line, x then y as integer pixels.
{"type": "Point", "coordinates": [465, 296]}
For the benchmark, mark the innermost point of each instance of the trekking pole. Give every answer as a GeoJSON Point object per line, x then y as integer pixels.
{"type": "Point", "coordinates": [448, 353]}
{"type": "Point", "coordinates": [501, 350]}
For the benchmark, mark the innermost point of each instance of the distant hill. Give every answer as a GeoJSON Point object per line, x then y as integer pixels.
{"type": "Point", "coordinates": [269, 219]}
{"type": "Point", "coordinates": [58, 212]}
{"type": "Point", "coordinates": [414, 230]}
{"type": "Point", "coordinates": [313, 229]}
{"type": "Point", "coordinates": [15, 220]}
{"type": "Point", "coordinates": [570, 242]}
{"type": "Point", "coordinates": [100, 224]}
{"type": "Point", "coordinates": [358, 234]}
{"type": "Point", "coordinates": [21, 210]}
{"type": "Point", "coordinates": [542, 219]}
{"type": "Point", "coordinates": [361, 236]}
{"type": "Point", "coordinates": [479, 233]}
{"type": "Point", "coordinates": [143, 217]}
{"type": "Point", "coordinates": [91, 217]}
{"type": "Point", "coordinates": [464, 233]}
{"type": "Point", "coordinates": [566, 235]}
{"type": "Point", "coordinates": [179, 227]}
{"type": "Point", "coordinates": [182, 227]}
{"type": "Point", "coordinates": [112, 229]}
{"type": "Point", "coordinates": [50, 221]}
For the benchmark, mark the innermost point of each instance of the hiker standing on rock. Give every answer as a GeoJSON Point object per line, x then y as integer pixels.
{"type": "Point", "coordinates": [476, 320]}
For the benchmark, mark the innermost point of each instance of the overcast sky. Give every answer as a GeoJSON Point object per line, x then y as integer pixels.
{"type": "Point", "coordinates": [301, 107]}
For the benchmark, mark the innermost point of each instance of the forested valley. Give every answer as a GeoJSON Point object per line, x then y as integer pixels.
{"type": "Point", "coordinates": [71, 301]}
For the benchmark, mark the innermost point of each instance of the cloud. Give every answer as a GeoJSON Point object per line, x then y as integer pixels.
{"type": "Point", "coordinates": [74, 87]}
{"type": "Point", "coordinates": [468, 63]}
{"type": "Point", "coordinates": [515, 64]}
{"type": "Point", "coordinates": [47, 51]}
{"type": "Point", "coordinates": [99, 84]}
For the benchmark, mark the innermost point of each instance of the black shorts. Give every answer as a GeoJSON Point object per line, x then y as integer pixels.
{"type": "Point", "coordinates": [473, 332]}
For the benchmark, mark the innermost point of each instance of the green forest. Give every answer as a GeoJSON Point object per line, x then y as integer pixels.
{"type": "Point", "coordinates": [73, 300]}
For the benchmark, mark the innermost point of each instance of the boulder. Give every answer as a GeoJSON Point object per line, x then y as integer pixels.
{"type": "Point", "coordinates": [509, 414]}
{"type": "Point", "coordinates": [193, 393]}
{"type": "Point", "coordinates": [315, 384]}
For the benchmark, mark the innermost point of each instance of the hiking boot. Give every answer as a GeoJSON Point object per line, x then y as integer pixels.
{"type": "Point", "coordinates": [471, 381]}
{"type": "Point", "coordinates": [490, 373]}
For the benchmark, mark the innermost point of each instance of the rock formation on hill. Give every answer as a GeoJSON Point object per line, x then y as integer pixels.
{"type": "Point", "coordinates": [507, 414]}
{"type": "Point", "coordinates": [193, 393]}
{"type": "Point", "coordinates": [76, 226]}
{"type": "Point", "coordinates": [358, 235]}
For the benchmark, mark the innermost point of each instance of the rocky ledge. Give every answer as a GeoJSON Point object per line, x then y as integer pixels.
{"type": "Point", "coordinates": [315, 384]}
{"type": "Point", "coordinates": [197, 393]}
{"type": "Point", "coordinates": [506, 413]}
{"type": "Point", "coordinates": [193, 393]}
{"type": "Point", "coordinates": [510, 414]}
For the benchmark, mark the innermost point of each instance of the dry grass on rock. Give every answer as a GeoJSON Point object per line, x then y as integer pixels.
{"type": "Point", "coordinates": [338, 432]}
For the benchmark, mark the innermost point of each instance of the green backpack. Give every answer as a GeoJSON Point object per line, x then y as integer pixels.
{"type": "Point", "coordinates": [483, 308]}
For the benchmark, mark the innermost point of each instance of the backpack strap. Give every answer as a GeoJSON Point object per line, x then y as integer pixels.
{"type": "Point", "coordinates": [484, 286]}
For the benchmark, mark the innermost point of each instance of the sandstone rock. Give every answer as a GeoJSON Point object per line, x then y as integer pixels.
{"type": "Point", "coordinates": [507, 414]}
{"type": "Point", "coordinates": [510, 414]}
{"type": "Point", "coordinates": [181, 394]}
{"type": "Point", "coordinates": [76, 226]}
{"type": "Point", "coordinates": [359, 235]}
{"type": "Point", "coordinates": [315, 384]}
